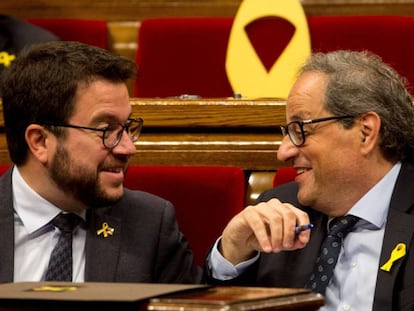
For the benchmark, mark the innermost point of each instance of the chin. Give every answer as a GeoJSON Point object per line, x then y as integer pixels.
{"type": "Point", "coordinates": [107, 196]}
{"type": "Point", "coordinates": [304, 198]}
{"type": "Point", "coordinates": [115, 194]}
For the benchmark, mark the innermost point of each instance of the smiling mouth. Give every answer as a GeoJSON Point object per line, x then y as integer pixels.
{"type": "Point", "coordinates": [301, 170]}
{"type": "Point", "coordinates": [114, 170]}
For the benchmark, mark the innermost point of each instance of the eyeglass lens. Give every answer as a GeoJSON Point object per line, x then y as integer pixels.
{"type": "Point", "coordinates": [295, 133]}
{"type": "Point", "coordinates": [113, 136]}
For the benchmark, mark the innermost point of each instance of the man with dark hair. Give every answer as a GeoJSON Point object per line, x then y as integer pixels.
{"type": "Point", "coordinates": [70, 134]}
{"type": "Point", "coordinates": [350, 137]}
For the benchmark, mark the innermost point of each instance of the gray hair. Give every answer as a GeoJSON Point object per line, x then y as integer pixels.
{"type": "Point", "coordinates": [359, 82]}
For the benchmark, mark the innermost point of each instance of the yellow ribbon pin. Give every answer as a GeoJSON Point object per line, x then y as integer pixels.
{"type": "Point", "coordinates": [106, 230]}
{"type": "Point", "coordinates": [398, 252]}
{"type": "Point", "coordinates": [6, 58]}
{"type": "Point", "coordinates": [47, 288]}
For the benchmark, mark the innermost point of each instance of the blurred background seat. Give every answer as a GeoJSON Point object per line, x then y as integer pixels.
{"type": "Point", "coordinates": [185, 55]}
{"type": "Point", "coordinates": [89, 31]}
{"type": "Point", "coordinates": [205, 198]}
{"type": "Point", "coordinates": [178, 56]}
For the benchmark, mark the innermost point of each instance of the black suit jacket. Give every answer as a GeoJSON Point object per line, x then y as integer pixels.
{"type": "Point", "coordinates": [146, 245]}
{"type": "Point", "coordinates": [394, 289]}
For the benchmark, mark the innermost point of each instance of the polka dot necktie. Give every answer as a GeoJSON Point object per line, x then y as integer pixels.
{"type": "Point", "coordinates": [60, 263]}
{"type": "Point", "coordinates": [326, 261]}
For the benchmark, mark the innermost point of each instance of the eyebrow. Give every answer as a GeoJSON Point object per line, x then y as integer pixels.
{"type": "Point", "coordinates": [110, 118]}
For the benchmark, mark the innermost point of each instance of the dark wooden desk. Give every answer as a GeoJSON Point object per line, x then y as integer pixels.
{"type": "Point", "coordinates": [51, 296]}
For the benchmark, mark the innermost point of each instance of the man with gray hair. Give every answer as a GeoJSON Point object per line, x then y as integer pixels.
{"type": "Point", "coordinates": [345, 226]}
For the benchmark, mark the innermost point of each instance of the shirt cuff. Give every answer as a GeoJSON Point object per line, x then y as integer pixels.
{"type": "Point", "coordinates": [221, 269]}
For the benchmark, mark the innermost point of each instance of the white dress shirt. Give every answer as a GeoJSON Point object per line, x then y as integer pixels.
{"type": "Point", "coordinates": [35, 237]}
{"type": "Point", "coordinates": [353, 284]}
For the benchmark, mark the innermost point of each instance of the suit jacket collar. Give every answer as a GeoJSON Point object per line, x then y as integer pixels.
{"type": "Point", "coordinates": [6, 228]}
{"type": "Point", "coordinates": [102, 251]}
{"type": "Point", "coordinates": [399, 229]}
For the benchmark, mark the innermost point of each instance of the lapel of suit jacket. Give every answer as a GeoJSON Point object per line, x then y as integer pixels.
{"type": "Point", "coordinates": [399, 229]}
{"type": "Point", "coordinates": [102, 252]}
{"type": "Point", "coordinates": [6, 228]}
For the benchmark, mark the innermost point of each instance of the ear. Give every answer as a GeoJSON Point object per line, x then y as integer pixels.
{"type": "Point", "coordinates": [37, 139]}
{"type": "Point", "coordinates": [370, 124]}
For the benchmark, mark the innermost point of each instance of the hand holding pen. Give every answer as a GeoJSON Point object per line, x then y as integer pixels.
{"type": "Point", "coordinates": [299, 229]}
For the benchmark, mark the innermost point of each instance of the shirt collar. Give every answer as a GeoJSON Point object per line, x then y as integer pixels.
{"type": "Point", "coordinates": [373, 206]}
{"type": "Point", "coordinates": [33, 210]}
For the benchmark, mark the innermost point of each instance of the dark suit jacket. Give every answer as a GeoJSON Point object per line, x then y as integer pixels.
{"type": "Point", "coordinates": [146, 245]}
{"type": "Point", "coordinates": [394, 289]}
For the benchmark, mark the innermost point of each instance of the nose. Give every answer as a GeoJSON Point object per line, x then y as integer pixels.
{"type": "Point", "coordinates": [126, 145]}
{"type": "Point", "coordinates": [287, 150]}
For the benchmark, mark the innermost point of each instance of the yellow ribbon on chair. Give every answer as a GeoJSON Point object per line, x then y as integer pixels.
{"type": "Point", "coordinates": [245, 71]}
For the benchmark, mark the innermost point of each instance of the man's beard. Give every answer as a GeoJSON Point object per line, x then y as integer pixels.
{"type": "Point", "coordinates": [80, 182]}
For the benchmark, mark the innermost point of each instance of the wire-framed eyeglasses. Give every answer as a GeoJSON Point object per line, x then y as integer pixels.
{"type": "Point", "coordinates": [297, 134]}
{"type": "Point", "coordinates": [111, 134]}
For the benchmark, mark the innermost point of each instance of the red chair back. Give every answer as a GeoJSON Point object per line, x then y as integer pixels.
{"type": "Point", "coordinates": [284, 175]}
{"type": "Point", "coordinates": [205, 198]}
{"type": "Point", "coordinates": [4, 168]}
{"type": "Point", "coordinates": [187, 55]}
{"type": "Point", "coordinates": [391, 37]}
{"type": "Point", "coordinates": [178, 56]}
{"type": "Point", "coordinates": [92, 32]}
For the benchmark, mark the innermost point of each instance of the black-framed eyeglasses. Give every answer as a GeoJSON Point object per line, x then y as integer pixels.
{"type": "Point", "coordinates": [112, 134]}
{"type": "Point", "coordinates": [297, 134]}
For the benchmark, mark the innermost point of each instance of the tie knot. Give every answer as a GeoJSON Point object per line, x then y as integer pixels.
{"type": "Point", "coordinates": [66, 222]}
{"type": "Point", "coordinates": [341, 226]}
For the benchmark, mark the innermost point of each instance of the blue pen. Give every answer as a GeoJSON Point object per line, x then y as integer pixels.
{"type": "Point", "coordinates": [299, 229]}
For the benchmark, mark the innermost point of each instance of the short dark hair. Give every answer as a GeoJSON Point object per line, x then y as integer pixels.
{"type": "Point", "coordinates": [41, 85]}
{"type": "Point", "coordinates": [359, 82]}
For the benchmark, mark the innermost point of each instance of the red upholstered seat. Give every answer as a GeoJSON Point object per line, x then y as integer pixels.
{"type": "Point", "coordinates": [205, 198]}
{"type": "Point", "coordinates": [391, 37]}
{"type": "Point", "coordinates": [92, 32]}
{"type": "Point", "coordinates": [3, 168]}
{"type": "Point", "coordinates": [178, 56]}
{"type": "Point", "coordinates": [187, 55]}
{"type": "Point", "coordinates": [284, 175]}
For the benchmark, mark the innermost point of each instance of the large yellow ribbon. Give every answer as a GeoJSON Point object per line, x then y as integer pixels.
{"type": "Point", "coordinates": [246, 73]}
{"type": "Point", "coordinates": [398, 252]}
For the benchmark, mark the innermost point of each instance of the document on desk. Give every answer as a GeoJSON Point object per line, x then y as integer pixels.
{"type": "Point", "coordinates": [84, 294]}
{"type": "Point", "coordinates": [233, 298]}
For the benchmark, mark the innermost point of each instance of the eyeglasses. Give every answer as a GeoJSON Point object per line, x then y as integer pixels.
{"type": "Point", "coordinates": [296, 132]}
{"type": "Point", "coordinates": [111, 135]}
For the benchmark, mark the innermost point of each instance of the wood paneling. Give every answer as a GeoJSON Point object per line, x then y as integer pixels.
{"type": "Point", "coordinates": [135, 10]}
